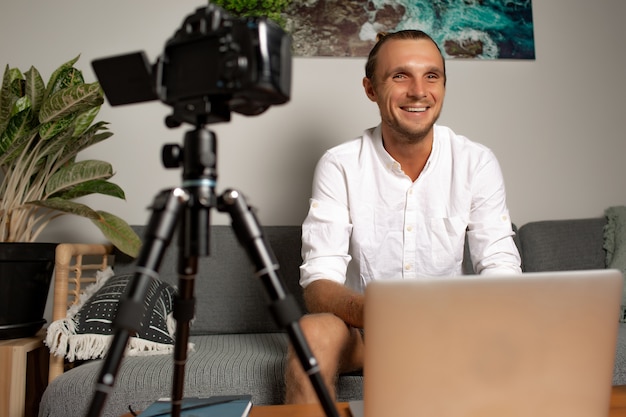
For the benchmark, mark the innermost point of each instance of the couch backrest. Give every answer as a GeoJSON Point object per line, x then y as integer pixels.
{"type": "Point", "coordinates": [229, 298]}
{"type": "Point", "coordinates": [563, 245]}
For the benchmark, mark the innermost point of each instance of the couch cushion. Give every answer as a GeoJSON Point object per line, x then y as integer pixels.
{"type": "Point", "coordinates": [220, 365]}
{"type": "Point", "coordinates": [86, 332]}
{"type": "Point", "coordinates": [230, 299]}
{"type": "Point", "coordinates": [562, 245]}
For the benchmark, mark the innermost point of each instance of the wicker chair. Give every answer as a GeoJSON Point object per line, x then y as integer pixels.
{"type": "Point", "coordinates": [76, 266]}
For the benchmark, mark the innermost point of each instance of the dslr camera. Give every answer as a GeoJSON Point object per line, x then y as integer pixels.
{"type": "Point", "coordinates": [214, 64]}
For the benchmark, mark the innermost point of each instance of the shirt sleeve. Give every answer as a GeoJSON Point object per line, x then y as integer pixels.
{"type": "Point", "coordinates": [327, 228]}
{"type": "Point", "coordinates": [490, 233]}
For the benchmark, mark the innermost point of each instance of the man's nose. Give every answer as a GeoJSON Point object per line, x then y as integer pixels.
{"type": "Point", "coordinates": [417, 88]}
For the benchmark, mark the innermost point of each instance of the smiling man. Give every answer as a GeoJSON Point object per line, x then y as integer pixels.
{"type": "Point", "coordinates": [395, 203]}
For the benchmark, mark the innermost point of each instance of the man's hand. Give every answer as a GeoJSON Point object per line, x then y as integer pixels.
{"type": "Point", "coordinates": [326, 296]}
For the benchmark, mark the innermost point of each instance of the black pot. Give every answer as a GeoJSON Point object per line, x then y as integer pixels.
{"type": "Point", "coordinates": [25, 274]}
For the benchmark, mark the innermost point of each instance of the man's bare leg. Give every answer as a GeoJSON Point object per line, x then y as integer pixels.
{"type": "Point", "coordinates": [336, 346]}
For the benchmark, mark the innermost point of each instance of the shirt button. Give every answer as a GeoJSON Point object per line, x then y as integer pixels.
{"type": "Point", "coordinates": [315, 205]}
{"type": "Point", "coordinates": [408, 267]}
{"type": "Point", "coordinates": [409, 228]}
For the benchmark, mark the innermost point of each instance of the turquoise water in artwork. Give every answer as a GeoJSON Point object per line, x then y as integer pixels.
{"type": "Point", "coordinates": [502, 28]}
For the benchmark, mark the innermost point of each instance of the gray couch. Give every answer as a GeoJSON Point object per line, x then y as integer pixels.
{"type": "Point", "coordinates": [239, 349]}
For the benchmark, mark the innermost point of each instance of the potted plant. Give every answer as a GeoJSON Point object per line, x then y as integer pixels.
{"type": "Point", "coordinates": [273, 9]}
{"type": "Point", "coordinates": [42, 129]}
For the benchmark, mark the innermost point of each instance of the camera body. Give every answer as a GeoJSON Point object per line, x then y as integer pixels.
{"type": "Point", "coordinates": [214, 64]}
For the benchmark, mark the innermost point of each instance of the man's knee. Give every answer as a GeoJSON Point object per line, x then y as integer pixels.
{"type": "Point", "coordinates": [325, 330]}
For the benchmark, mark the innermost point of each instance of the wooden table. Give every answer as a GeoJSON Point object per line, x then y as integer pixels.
{"type": "Point", "coordinates": [24, 364]}
{"type": "Point", "coordinates": [618, 402]}
{"type": "Point", "coordinates": [618, 408]}
{"type": "Point", "coordinates": [301, 410]}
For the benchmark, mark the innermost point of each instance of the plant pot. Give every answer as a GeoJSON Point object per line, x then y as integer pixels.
{"type": "Point", "coordinates": [25, 274]}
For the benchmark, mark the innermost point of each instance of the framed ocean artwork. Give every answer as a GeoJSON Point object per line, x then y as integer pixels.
{"type": "Point", "coordinates": [473, 29]}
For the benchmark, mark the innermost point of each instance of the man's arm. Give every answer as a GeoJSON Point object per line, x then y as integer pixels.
{"type": "Point", "coordinates": [326, 296]}
{"type": "Point", "coordinates": [490, 235]}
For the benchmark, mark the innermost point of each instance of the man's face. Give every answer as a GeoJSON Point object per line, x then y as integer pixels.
{"type": "Point", "coordinates": [408, 87]}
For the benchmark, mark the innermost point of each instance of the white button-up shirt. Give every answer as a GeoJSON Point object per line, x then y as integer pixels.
{"type": "Point", "coordinates": [367, 220]}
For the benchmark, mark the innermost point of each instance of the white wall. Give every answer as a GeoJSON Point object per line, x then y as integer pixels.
{"type": "Point", "coordinates": [554, 123]}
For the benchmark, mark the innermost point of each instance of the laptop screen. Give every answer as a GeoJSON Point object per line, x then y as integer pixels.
{"type": "Point", "coordinates": [536, 344]}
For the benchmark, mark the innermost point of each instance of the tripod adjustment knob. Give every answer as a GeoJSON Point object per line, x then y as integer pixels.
{"type": "Point", "coordinates": [172, 156]}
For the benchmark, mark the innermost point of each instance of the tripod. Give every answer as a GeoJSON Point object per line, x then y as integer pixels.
{"type": "Point", "coordinates": [188, 209]}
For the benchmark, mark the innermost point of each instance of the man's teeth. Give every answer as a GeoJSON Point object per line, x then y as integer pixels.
{"type": "Point", "coordinates": [415, 109]}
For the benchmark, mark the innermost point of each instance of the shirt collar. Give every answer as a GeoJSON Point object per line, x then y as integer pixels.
{"type": "Point", "coordinates": [393, 165]}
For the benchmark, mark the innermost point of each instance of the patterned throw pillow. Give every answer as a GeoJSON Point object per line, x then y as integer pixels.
{"type": "Point", "coordinates": [86, 331]}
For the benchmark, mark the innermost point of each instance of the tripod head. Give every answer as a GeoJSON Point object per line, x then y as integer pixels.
{"type": "Point", "coordinates": [198, 158]}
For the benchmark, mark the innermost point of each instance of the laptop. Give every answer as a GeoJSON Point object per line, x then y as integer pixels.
{"type": "Point", "coordinates": [530, 345]}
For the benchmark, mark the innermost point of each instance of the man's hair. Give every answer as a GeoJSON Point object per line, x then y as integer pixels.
{"type": "Point", "coordinates": [384, 37]}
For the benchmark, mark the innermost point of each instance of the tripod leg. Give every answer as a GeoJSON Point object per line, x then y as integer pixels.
{"type": "Point", "coordinates": [166, 208]}
{"type": "Point", "coordinates": [193, 242]}
{"type": "Point", "coordinates": [283, 306]}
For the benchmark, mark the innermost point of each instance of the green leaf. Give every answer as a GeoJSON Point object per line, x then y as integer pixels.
{"type": "Point", "coordinates": [92, 187]}
{"type": "Point", "coordinates": [21, 104]}
{"type": "Point", "coordinates": [78, 173]}
{"type": "Point", "coordinates": [18, 86]}
{"type": "Point", "coordinates": [53, 82]}
{"type": "Point", "coordinates": [5, 99]}
{"type": "Point", "coordinates": [35, 88]}
{"type": "Point", "coordinates": [119, 233]}
{"type": "Point", "coordinates": [56, 147]}
{"type": "Point", "coordinates": [66, 206]}
{"type": "Point", "coordinates": [51, 129]}
{"type": "Point", "coordinates": [84, 120]}
{"type": "Point", "coordinates": [7, 95]}
{"type": "Point", "coordinates": [67, 78]}
{"type": "Point", "coordinates": [18, 126]}
{"type": "Point", "coordinates": [72, 146]}
{"type": "Point", "coordinates": [65, 146]}
{"type": "Point", "coordinates": [77, 98]}
{"type": "Point", "coordinates": [16, 148]}
{"type": "Point", "coordinates": [116, 230]}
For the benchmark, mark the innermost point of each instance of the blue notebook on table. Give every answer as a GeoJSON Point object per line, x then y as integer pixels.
{"type": "Point", "coordinates": [217, 406]}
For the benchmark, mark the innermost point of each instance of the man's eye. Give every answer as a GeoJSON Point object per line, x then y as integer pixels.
{"type": "Point", "coordinates": [398, 76]}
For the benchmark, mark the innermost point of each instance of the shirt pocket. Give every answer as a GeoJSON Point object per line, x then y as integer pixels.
{"type": "Point", "coordinates": [447, 242]}
{"type": "Point", "coordinates": [377, 244]}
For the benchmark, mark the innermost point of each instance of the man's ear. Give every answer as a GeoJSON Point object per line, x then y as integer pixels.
{"type": "Point", "coordinates": [369, 89]}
